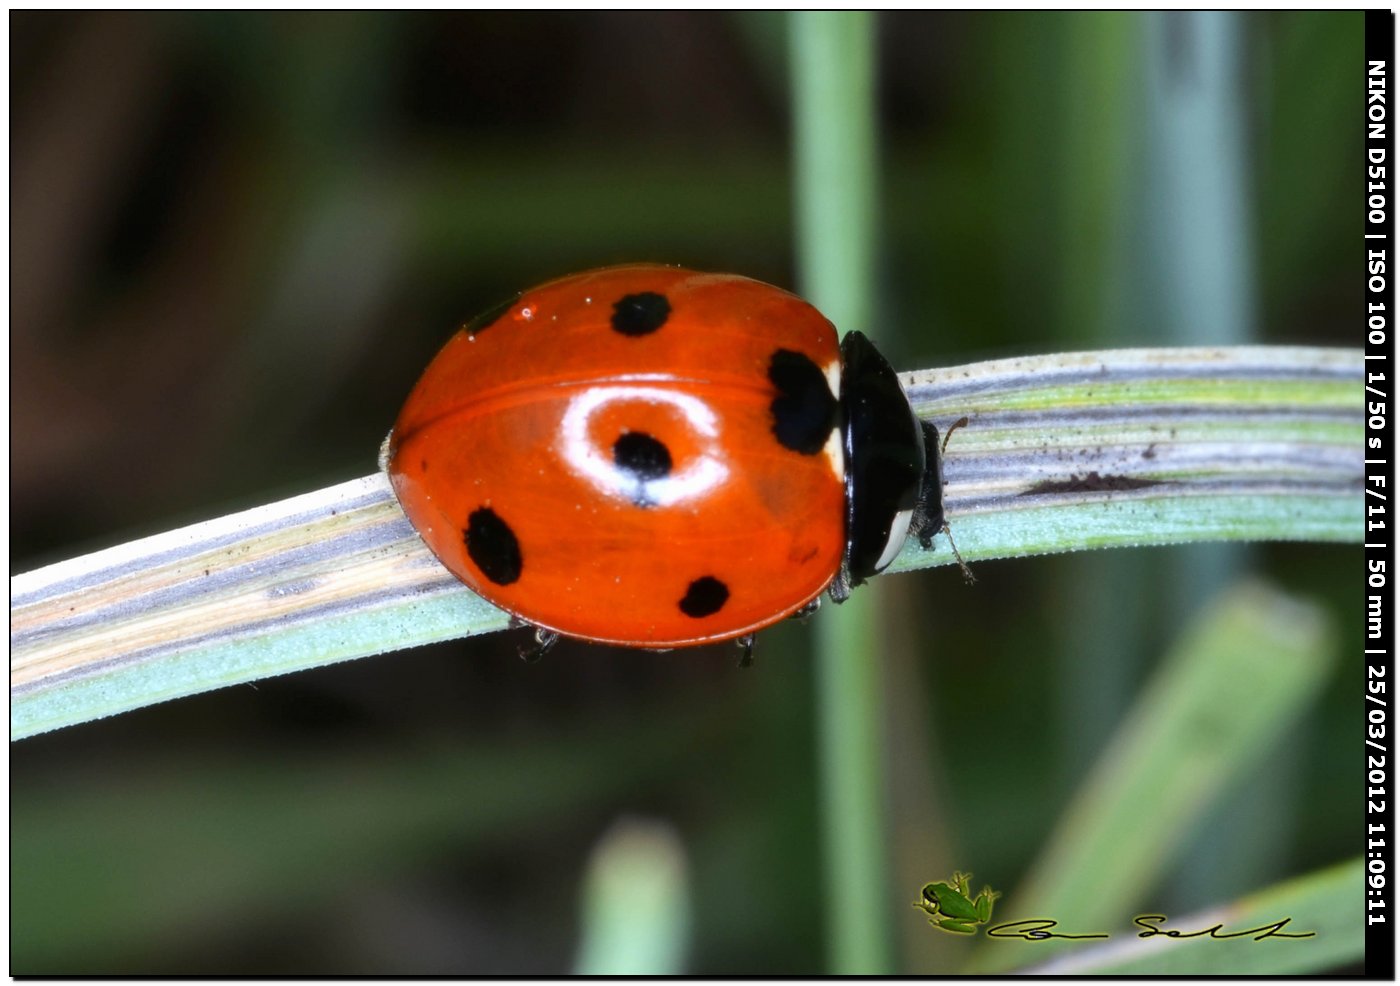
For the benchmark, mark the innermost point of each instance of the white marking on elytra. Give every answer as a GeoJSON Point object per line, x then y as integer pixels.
{"type": "Point", "coordinates": [835, 451]}
{"type": "Point", "coordinates": [703, 472]}
{"type": "Point", "coordinates": [835, 446]}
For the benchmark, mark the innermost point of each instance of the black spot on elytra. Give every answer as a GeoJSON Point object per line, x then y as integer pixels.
{"type": "Point", "coordinates": [491, 316]}
{"type": "Point", "coordinates": [705, 597]}
{"type": "Point", "coordinates": [804, 412]}
{"type": "Point", "coordinates": [640, 314]}
{"type": "Point", "coordinates": [492, 546]}
{"type": "Point", "coordinates": [642, 456]}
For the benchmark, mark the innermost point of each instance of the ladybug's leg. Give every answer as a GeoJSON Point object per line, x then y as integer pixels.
{"type": "Point", "coordinates": [968, 577]}
{"type": "Point", "coordinates": [745, 644]}
{"type": "Point", "coordinates": [840, 588]}
{"type": "Point", "coordinates": [806, 612]}
{"type": "Point", "coordinates": [544, 643]}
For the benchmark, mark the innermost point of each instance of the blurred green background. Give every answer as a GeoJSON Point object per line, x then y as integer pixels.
{"type": "Point", "coordinates": [236, 240]}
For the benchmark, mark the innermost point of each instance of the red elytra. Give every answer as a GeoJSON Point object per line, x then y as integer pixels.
{"type": "Point", "coordinates": [640, 455]}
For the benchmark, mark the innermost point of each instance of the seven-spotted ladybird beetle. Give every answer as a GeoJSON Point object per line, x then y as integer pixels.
{"type": "Point", "coordinates": [658, 458]}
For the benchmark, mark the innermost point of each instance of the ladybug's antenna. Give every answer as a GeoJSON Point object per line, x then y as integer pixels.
{"type": "Point", "coordinates": [960, 423]}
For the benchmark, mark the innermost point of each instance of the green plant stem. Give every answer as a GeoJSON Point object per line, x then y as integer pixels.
{"type": "Point", "coordinates": [635, 912]}
{"type": "Point", "coordinates": [834, 157]}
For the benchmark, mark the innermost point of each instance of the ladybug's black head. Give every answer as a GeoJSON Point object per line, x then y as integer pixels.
{"type": "Point", "coordinates": [894, 483]}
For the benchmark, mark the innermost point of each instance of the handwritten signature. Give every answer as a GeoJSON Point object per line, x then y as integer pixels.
{"type": "Point", "coordinates": [1043, 929]}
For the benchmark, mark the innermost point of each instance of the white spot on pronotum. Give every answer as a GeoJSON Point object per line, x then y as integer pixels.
{"type": "Point", "coordinates": [899, 530]}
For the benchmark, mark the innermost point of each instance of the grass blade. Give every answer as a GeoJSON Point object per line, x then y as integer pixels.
{"type": "Point", "coordinates": [1062, 453]}
{"type": "Point", "coordinates": [635, 919]}
{"type": "Point", "coordinates": [1325, 903]}
{"type": "Point", "coordinates": [1236, 680]}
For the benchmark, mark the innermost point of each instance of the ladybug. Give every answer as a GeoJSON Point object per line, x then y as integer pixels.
{"type": "Point", "coordinates": [657, 458]}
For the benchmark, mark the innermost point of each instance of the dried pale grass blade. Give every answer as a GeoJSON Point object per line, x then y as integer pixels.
{"type": "Point", "coordinates": [1059, 453]}
{"type": "Point", "coordinates": [1146, 446]}
{"type": "Point", "coordinates": [324, 577]}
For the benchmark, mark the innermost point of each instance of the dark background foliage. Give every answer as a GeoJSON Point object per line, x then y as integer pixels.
{"type": "Point", "coordinates": [237, 238]}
